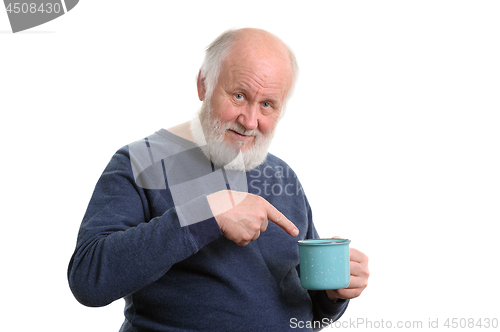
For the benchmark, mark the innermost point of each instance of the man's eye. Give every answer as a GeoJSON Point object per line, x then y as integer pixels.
{"type": "Point", "coordinates": [238, 96]}
{"type": "Point", "coordinates": [266, 104]}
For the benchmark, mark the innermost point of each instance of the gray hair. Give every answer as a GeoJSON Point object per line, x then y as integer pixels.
{"type": "Point", "coordinates": [218, 51]}
{"type": "Point", "coordinates": [215, 55]}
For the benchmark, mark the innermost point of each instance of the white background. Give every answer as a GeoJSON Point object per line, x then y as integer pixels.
{"type": "Point", "coordinates": [393, 131]}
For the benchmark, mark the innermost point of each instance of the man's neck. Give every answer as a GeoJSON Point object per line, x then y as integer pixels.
{"type": "Point", "coordinates": [183, 130]}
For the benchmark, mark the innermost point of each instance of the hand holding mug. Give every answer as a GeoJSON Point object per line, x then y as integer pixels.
{"type": "Point", "coordinates": [359, 277]}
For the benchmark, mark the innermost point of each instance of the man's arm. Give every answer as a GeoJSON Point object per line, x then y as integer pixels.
{"type": "Point", "coordinates": [121, 248]}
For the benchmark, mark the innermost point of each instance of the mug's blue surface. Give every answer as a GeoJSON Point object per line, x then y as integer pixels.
{"type": "Point", "coordinates": [324, 263]}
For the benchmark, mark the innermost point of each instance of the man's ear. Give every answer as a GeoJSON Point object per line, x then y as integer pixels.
{"type": "Point", "coordinates": [201, 86]}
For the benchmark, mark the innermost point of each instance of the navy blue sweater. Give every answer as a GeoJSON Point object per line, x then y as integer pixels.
{"type": "Point", "coordinates": [186, 276]}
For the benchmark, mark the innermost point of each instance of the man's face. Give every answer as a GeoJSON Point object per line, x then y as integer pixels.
{"type": "Point", "coordinates": [248, 99]}
{"type": "Point", "coordinates": [239, 117]}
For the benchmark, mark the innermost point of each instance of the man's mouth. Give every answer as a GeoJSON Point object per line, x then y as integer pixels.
{"type": "Point", "coordinates": [240, 136]}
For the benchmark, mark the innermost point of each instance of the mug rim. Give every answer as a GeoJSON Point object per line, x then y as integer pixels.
{"type": "Point", "coordinates": [323, 241]}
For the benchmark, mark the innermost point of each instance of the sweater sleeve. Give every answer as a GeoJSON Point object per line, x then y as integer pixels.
{"type": "Point", "coordinates": [120, 247]}
{"type": "Point", "coordinates": [323, 307]}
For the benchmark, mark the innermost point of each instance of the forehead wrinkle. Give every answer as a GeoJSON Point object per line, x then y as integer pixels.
{"type": "Point", "coordinates": [258, 70]}
{"type": "Point", "coordinates": [257, 88]}
{"type": "Point", "coordinates": [258, 76]}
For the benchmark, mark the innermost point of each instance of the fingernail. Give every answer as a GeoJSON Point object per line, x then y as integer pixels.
{"type": "Point", "coordinates": [295, 232]}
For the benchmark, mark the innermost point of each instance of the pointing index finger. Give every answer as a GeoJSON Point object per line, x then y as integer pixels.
{"type": "Point", "coordinates": [279, 219]}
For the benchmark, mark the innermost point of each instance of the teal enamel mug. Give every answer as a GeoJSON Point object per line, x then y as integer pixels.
{"type": "Point", "coordinates": [324, 263]}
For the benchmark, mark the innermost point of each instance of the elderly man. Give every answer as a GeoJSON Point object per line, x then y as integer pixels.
{"type": "Point", "coordinates": [178, 224]}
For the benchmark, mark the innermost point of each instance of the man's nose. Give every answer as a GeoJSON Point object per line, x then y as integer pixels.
{"type": "Point", "coordinates": [249, 117]}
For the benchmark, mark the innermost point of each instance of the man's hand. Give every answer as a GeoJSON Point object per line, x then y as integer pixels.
{"type": "Point", "coordinates": [243, 216]}
{"type": "Point", "coordinates": [359, 277]}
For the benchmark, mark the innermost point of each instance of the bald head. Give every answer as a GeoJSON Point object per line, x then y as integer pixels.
{"type": "Point", "coordinates": [250, 40]}
{"type": "Point", "coordinates": [260, 49]}
{"type": "Point", "coordinates": [249, 45]}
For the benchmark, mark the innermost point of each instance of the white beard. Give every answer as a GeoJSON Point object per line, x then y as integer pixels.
{"type": "Point", "coordinates": [208, 132]}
